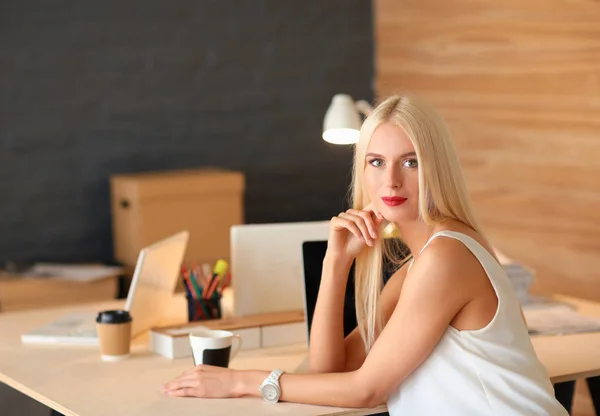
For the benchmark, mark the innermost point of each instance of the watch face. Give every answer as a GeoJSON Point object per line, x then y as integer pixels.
{"type": "Point", "coordinates": [270, 392]}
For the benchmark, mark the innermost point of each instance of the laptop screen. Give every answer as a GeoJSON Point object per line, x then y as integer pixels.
{"type": "Point", "coordinates": [313, 253]}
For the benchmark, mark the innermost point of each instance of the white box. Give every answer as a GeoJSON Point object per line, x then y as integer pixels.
{"type": "Point", "coordinates": [176, 343]}
{"type": "Point", "coordinates": [256, 331]}
{"type": "Point", "coordinates": [284, 334]}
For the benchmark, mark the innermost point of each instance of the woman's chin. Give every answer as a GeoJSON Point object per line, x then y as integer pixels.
{"type": "Point", "coordinates": [400, 218]}
{"type": "Point", "coordinates": [399, 215]}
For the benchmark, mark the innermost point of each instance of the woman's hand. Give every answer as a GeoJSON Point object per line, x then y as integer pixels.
{"type": "Point", "coordinates": [352, 230]}
{"type": "Point", "coordinates": [206, 381]}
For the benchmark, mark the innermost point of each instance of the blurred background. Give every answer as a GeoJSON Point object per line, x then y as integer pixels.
{"type": "Point", "coordinates": [93, 89]}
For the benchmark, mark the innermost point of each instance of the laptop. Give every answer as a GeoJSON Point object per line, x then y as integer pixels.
{"type": "Point", "coordinates": [150, 293]}
{"type": "Point", "coordinates": [313, 254]}
{"type": "Point", "coordinates": [266, 265]}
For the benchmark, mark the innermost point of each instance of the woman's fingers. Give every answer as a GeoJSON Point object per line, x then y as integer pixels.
{"type": "Point", "coordinates": [351, 226]}
{"type": "Point", "coordinates": [378, 216]}
{"type": "Point", "coordinates": [360, 223]}
{"type": "Point", "coordinates": [367, 217]}
{"type": "Point", "coordinates": [181, 383]}
{"type": "Point", "coordinates": [183, 392]}
{"type": "Point", "coordinates": [364, 224]}
{"type": "Point", "coordinates": [371, 208]}
{"type": "Point", "coordinates": [203, 381]}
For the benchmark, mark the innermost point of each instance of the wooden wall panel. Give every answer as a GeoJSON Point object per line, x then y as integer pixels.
{"type": "Point", "coordinates": [519, 85]}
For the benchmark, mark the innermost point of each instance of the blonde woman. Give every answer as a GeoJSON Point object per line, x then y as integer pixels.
{"type": "Point", "coordinates": [446, 335]}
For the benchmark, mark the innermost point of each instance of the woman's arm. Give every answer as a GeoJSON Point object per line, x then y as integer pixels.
{"type": "Point", "coordinates": [430, 298]}
{"type": "Point", "coordinates": [350, 232]}
{"type": "Point", "coordinates": [326, 351]}
{"type": "Point", "coordinates": [353, 344]}
{"type": "Point", "coordinates": [437, 287]}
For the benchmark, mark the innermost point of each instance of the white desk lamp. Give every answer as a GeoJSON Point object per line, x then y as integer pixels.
{"type": "Point", "coordinates": [342, 120]}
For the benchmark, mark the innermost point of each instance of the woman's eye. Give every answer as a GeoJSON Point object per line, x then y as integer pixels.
{"type": "Point", "coordinates": [410, 163]}
{"type": "Point", "coordinates": [376, 162]}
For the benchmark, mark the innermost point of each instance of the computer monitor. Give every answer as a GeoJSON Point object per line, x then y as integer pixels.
{"type": "Point", "coordinates": [266, 265]}
{"type": "Point", "coordinates": [313, 254]}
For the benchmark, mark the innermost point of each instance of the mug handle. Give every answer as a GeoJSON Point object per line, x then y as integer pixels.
{"type": "Point", "coordinates": [235, 350]}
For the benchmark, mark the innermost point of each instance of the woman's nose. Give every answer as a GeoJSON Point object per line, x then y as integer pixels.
{"type": "Point", "coordinates": [393, 178]}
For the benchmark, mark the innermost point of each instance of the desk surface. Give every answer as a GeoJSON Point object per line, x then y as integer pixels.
{"type": "Point", "coordinates": [571, 357]}
{"type": "Point", "coordinates": [74, 380]}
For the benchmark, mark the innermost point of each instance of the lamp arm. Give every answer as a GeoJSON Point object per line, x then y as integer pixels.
{"type": "Point", "coordinates": [364, 107]}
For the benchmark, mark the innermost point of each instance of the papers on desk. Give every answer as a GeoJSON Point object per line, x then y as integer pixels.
{"type": "Point", "coordinates": [544, 316]}
{"type": "Point", "coordinates": [74, 272]}
{"type": "Point", "coordinates": [521, 277]}
{"type": "Point", "coordinates": [76, 328]}
{"type": "Point", "coordinates": [558, 319]}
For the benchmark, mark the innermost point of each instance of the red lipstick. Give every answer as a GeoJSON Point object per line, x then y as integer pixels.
{"type": "Point", "coordinates": [393, 201]}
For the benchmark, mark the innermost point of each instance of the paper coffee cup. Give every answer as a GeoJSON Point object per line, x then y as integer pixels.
{"type": "Point", "coordinates": [114, 334]}
{"type": "Point", "coordinates": [214, 347]}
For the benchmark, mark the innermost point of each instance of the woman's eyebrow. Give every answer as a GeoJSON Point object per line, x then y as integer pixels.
{"type": "Point", "coordinates": [381, 156]}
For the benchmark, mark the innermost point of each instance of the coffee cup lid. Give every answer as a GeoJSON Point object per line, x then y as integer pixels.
{"type": "Point", "coordinates": [113, 317]}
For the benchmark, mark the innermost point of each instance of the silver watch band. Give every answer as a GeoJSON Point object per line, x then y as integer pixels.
{"type": "Point", "coordinates": [275, 374]}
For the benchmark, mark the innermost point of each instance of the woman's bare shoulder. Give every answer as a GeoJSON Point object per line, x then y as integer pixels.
{"type": "Point", "coordinates": [459, 227]}
{"type": "Point", "coordinates": [449, 261]}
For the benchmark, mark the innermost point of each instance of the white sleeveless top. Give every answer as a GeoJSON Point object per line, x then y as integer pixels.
{"type": "Point", "coordinates": [489, 371]}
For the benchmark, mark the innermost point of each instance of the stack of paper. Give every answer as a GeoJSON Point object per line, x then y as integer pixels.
{"type": "Point", "coordinates": [521, 279]}
{"type": "Point", "coordinates": [520, 276]}
{"type": "Point", "coordinates": [558, 319]}
{"type": "Point", "coordinates": [74, 272]}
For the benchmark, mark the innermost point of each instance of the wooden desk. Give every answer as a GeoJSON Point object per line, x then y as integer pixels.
{"type": "Point", "coordinates": [571, 357]}
{"type": "Point", "coordinates": [74, 380]}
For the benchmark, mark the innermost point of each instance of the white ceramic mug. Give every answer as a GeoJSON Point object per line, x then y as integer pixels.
{"type": "Point", "coordinates": [214, 347]}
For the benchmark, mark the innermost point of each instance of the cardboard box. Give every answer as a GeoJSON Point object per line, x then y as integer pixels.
{"type": "Point", "coordinates": [18, 292]}
{"type": "Point", "coordinates": [147, 207]}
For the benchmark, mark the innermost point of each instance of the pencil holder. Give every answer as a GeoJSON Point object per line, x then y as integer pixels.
{"type": "Point", "coordinates": [203, 309]}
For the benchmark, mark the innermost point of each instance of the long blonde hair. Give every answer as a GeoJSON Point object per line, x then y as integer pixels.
{"type": "Point", "coordinates": [442, 195]}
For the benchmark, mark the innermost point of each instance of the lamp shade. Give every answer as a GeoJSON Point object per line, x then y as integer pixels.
{"type": "Point", "coordinates": [342, 121]}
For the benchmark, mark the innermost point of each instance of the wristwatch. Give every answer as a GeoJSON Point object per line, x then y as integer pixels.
{"type": "Point", "coordinates": [270, 389]}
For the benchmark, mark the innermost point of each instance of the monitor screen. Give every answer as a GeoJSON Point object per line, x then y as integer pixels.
{"type": "Point", "coordinates": [313, 253]}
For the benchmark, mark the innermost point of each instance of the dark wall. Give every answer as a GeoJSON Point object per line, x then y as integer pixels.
{"type": "Point", "coordinates": [89, 89]}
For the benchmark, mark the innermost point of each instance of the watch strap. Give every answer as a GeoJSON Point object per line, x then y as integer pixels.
{"type": "Point", "coordinates": [273, 379]}
{"type": "Point", "coordinates": [275, 374]}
